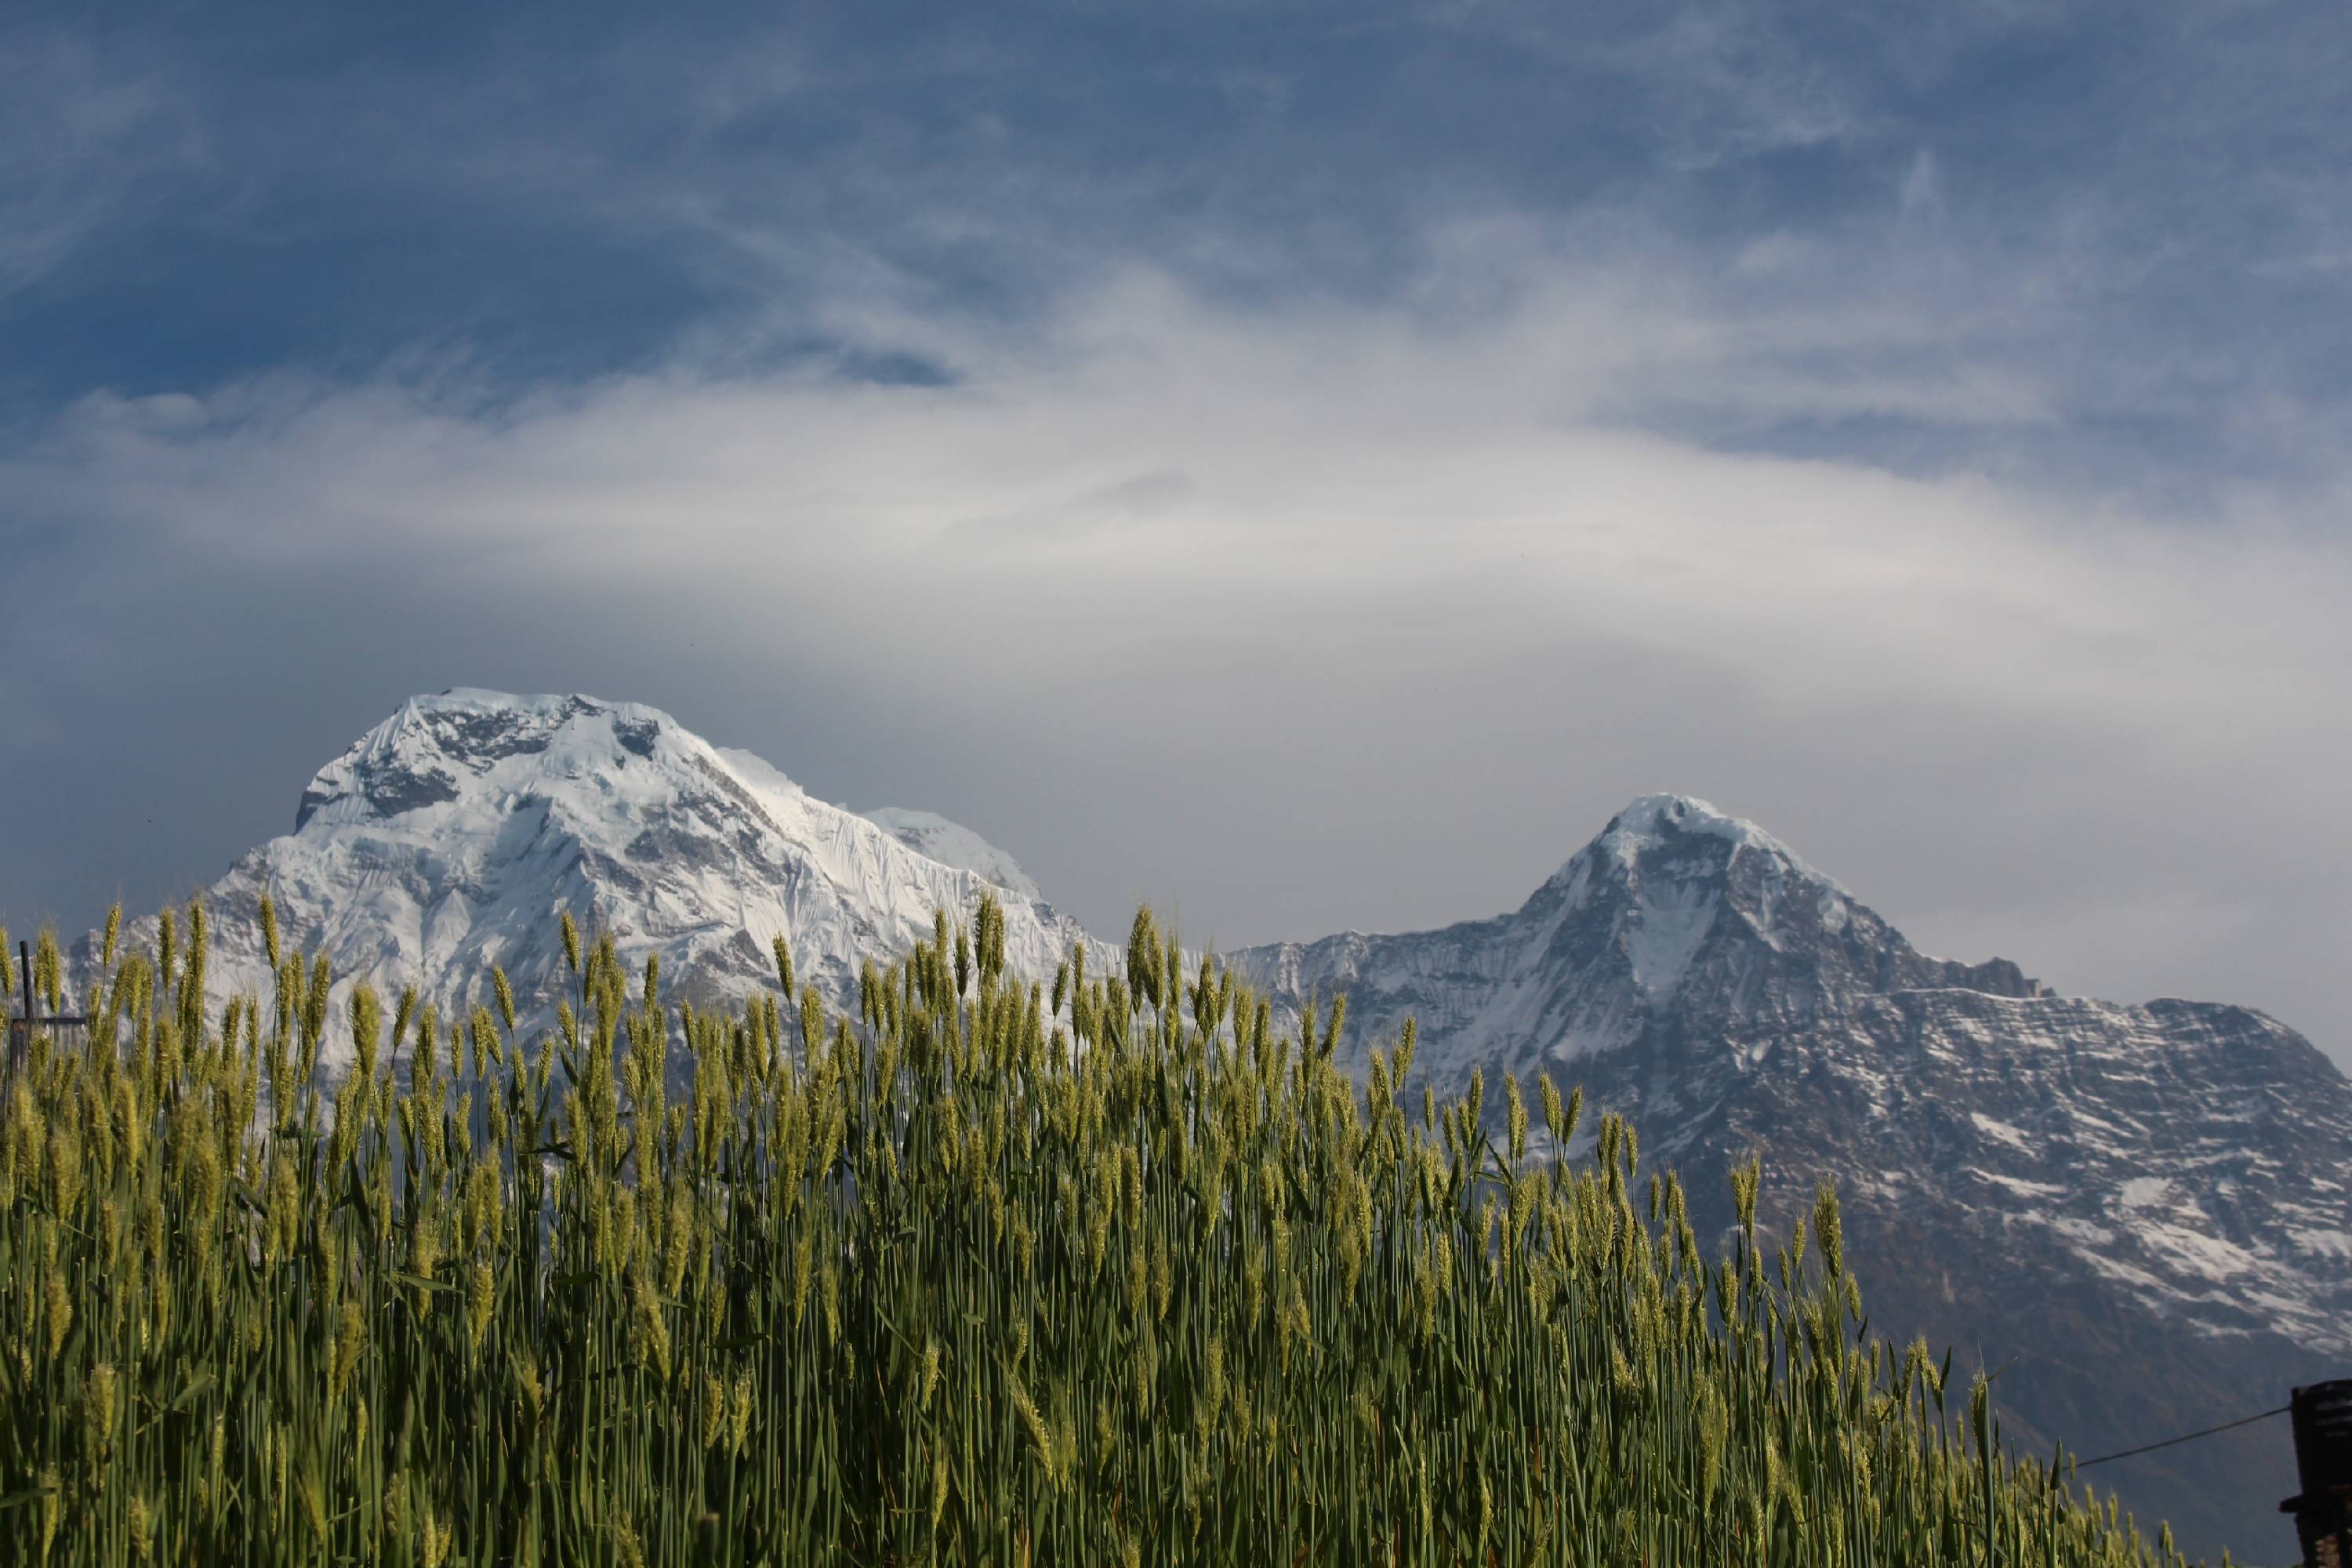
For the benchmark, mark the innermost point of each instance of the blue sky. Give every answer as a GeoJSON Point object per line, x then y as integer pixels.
{"type": "Point", "coordinates": [2120, 220]}
{"type": "Point", "coordinates": [1369, 442]}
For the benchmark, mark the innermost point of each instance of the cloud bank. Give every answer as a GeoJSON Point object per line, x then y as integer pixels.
{"type": "Point", "coordinates": [1293, 621]}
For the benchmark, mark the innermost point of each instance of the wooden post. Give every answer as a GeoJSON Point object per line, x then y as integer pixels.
{"type": "Point", "coordinates": [20, 1032]}
{"type": "Point", "coordinates": [2322, 1414]}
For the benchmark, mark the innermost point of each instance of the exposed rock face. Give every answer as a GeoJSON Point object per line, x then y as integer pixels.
{"type": "Point", "coordinates": [2147, 1206]}
{"type": "Point", "coordinates": [450, 836]}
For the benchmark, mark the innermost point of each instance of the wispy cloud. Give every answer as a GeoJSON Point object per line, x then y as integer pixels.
{"type": "Point", "coordinates": [84, 135]}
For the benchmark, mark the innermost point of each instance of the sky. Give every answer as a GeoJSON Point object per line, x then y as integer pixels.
{"type": "Point", "coordinates": [1305, 465]}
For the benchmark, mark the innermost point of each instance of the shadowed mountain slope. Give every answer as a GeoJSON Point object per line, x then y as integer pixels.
{"type": "Point", "coordinates": [2144, 1208]}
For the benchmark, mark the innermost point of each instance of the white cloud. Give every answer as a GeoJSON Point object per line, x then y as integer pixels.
{"type": "Point", "coordinates": [1332, 617]}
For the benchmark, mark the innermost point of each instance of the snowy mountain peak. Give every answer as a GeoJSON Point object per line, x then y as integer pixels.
{"type": "Point", "coordinates": [1671, 878]}
{"type": "Point", "coordinates": [1682, 828]}
{"type": "Point", "coordinates": [2020, 1173]}
{"type": "Point", "coordinates": [434, 750]}
{"type": "Point", "coordinates": [1674, 916]}
{"type": "Point", "coordinates": [451, 835]}
{"type": "Point", "coordinates": [1646, 816]}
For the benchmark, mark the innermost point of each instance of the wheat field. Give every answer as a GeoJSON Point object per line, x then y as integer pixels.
{"type": "Point", "coordinates": [1111, 1270]}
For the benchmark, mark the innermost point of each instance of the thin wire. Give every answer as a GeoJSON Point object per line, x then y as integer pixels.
{"type": "Point", "coordinates": [2184, 1438]}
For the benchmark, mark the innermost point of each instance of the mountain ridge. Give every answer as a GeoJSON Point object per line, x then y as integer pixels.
{"type": "Point", "coordinates": [2161, 1178]}
{"type": "Point", "coordinates": [2166, 1174]}
{"type": "Point", "coordinates": [449, 837]}
{"type": "Point", "coordinates": [1613, 934]}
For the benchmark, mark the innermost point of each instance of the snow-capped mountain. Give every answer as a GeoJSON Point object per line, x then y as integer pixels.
{"type": "Point", "coordinates": [1675, 912]}
{"type": "Point", "coordinates": [449, 837]}
{"type": "Point", "coordinates": [2149, 1207]}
